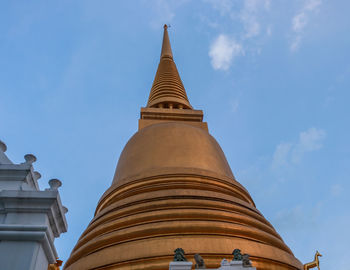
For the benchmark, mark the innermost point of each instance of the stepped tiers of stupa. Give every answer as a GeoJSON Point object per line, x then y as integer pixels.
{"type": "Point", "coordinates": [173, 187]}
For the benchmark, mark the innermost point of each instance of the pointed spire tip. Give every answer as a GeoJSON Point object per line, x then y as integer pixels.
{"type": "Point", "coordinates": [166, 47]}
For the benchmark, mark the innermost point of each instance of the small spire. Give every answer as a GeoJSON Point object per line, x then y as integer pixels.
{"type": "Point", "coordinates": [3, 146]}
{"type": "Point", "coordinates": [54, 184]}
{"type": "Point", "coordinates": [30, 158]}
{"type": "Point", "coordinates": [166, 47]}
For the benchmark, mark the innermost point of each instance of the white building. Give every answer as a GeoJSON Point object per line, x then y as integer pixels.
{"type": "Point", "coordinates": [225, 265]}
{"type": "Point", "coordinates": [30, 218]}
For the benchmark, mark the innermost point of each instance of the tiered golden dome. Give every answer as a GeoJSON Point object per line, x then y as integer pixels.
{"type": "Point", "coordinates": [174, 188]}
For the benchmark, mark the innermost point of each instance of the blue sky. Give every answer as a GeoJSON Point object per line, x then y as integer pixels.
{"type": "Point", "coordinates": [273, 79]}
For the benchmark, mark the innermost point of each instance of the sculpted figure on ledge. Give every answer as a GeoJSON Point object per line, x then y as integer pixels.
{"type": "Point", "coordinates": [179, 255]}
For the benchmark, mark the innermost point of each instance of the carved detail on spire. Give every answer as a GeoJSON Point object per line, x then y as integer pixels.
{"type": "Point", "coordinates": [167, 89]}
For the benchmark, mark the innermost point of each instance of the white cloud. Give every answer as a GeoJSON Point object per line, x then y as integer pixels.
{"type": "Point", "coordinates": [295, 43]}
{"type": "Point", "coordinates": [311, 5]}
{"type": "Point", "coordinates": [281, 155]}
{"type": "Point", "coordinates": [309, 140]}
{"type": "Point", "coordinates": [249, 16]}
{"type": "Point", "coordinates": [223, 51]}
{"type": "Point", "coordinates": [291, 153]}
{"type": "Point", "coordinates": [300, 21]}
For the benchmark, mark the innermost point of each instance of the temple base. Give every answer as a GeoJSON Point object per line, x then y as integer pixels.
{"type": "Point", "coordinates": [225, 265]}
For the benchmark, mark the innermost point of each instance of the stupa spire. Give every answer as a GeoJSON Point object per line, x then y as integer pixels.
{"type": "Point", "coordinates": [167, 90]}
{"type": "Point", "coordinates": [166, 47]}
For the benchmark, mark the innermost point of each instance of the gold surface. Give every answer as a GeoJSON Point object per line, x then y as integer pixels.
{"type": "Point", "coordinates": [167, 90]}
{"type": "Point", "coordinates": [55, 266]}
{"type": "Point", "coordinates": [150, 116]}
{"type": "Point", "coordinates": [314, 263]}
{"type": "Point", "coordinates": [170, 145]}
{"type": "Point", "coordinates": [174, 188]}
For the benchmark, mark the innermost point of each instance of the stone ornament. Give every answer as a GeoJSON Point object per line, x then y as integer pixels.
{"type": "Point", "coordinates": [224, 262]}
{"type": "Point", "coordinates": [237, 255]}
{"type": "Point", "coordinates": [179, 255]}
{"type": "Point", "coordinates": [37, 175]}
{"type": "Point", "coordinates": [246, 261]}
{"type": "Point", "coordinates": [3, 146]}
{"type": "Point", "coordinates": [54, 184]}
{"type": "Point", "coordinates": [199, 262]}
{"type": "Point", "coordinates": [29, 158]}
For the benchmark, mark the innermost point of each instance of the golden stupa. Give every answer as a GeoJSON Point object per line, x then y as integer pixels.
{"type": "Point", "coordinates": [174, 188]}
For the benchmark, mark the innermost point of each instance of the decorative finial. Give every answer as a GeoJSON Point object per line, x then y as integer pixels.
{"type": "Point", "coordinates": [199, 262]}
{"type": "Point", "coordinates": [166, 47]}
{"type": "Point", "coordinates": [55, 184]}
{"type": "Point", "coordinates": [29, 158]}
{"type": "Point", "coordinates": [65, 209]}
{"type": "Point", "coordinates": [3, 146]}
{"type": "Point", "coordinates": [246, 260]}
{"type": "Point", "coordinates": [37, 175]}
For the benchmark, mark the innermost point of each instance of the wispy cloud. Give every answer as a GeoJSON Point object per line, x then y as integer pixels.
{"type": "Point", "coordinates": [281, 155]}
{"type": "Point", "coordinates": [309, 140]}
{"type": "Point", "coordinates": [223, 51]}
{"type": "Point", "coordinates": [300, 20]}
{"type": "Point", "coordinates": [248, 16]}
{"type": "Point", "coordinates": [288, 153]}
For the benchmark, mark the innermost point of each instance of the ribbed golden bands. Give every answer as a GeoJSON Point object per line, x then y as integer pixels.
{"type": "Point", "coordinates": [149, 212]}
{"type": "Point", "coordinates": [167, 87]}
{"type": "Point", "coordinates": [174, 188]}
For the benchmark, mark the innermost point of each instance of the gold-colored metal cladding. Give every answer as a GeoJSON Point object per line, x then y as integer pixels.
{"type": "Point", "coordinates": [173, 187]}
{"type": "Point", "coordinates": [167, 89]}
{"type": "Point", "coordinates": [314, 263]}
